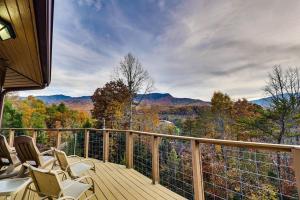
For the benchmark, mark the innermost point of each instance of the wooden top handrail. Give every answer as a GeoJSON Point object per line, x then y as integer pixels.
{"type": "Point", "coordinates": [232, 143]}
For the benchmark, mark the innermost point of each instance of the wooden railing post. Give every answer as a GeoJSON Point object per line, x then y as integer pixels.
{"type": "Point", "coordinates": [155, 159]}
{"type": "Point", "coordinates": [86, 143]}
{"type": "Point", "coordinates": [296, 166]}
{"type": "Point", "coordinates": [58, 139]}
{"type": "Point", "coordinates": [197, 170]}
{"type": "Point", "coordinates": [11, 137]}
{"type": "Point", "coordinates": [129, 150]}
{"type": "Point", "coordinates": [105, 146]}
{"type": "Point", "coordinates": [34, 136]}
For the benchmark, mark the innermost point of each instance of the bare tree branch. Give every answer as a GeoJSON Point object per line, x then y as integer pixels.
{"type": "Point", "coordinates": [136, 78]}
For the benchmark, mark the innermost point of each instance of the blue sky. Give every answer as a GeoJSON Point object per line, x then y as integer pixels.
{"type": "Point", "coordinates": [191, 48]}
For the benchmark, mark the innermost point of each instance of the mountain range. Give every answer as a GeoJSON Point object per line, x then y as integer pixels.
{"type": "Point", "coordinates": [84, 103]}
{"type": "Point", "coordinates": [264, 102]}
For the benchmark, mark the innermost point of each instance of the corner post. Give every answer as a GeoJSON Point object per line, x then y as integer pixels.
{"type": "Point", "coordinates": [155, 159]}
{"type": "Point", "coordinates": [86, 143]}
{"type": "Point", "coordinates": [105, 146]}
{"type": "Point", "coordinates": [58, 139]}
{"type": "Point", "coordinates": [296, 166]}
{"type": "Point", "coordinates": [197, 170]}
{"type": "Point", "coordinates": [11, 137]}
{"type": "Point", "coordinates": [129, 149]}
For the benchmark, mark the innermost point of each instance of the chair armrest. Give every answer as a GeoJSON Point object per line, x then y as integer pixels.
{"type": "Point", "coordinates": [80, 179]}
{"type": "Point", "coordinates": [12, 150]}
{"type": "Point", "coordinates": [88, 178]}
{"type": "Point", "coordinates": [47, 152]}
{"type": "Point", "coordinates": [63, 173]}
{"type": "Point", "coordinates": [66, 197]}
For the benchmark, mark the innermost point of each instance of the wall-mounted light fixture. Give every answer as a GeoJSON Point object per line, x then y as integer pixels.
{"type": "Point", "coordinates": [6, 30]}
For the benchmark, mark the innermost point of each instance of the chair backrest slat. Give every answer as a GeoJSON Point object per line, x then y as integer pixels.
{"type": "Point", "coordinates": [4, 149]}
{"type": "Point", "coordinates": [27, 150]}
{"type": "Point", "coordinates": [46, 182]}
{"type": "Point", "coordinates": [62, 159]}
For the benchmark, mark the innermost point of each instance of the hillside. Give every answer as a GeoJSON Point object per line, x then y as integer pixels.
{"type": "Point", "coordinates": [168, 100]}
{"type": "Point", "coordinates": [264, 102]}
{"type": "Point", "coordinates": [84, 103]}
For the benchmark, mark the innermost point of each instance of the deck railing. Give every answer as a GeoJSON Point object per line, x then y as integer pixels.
{"type": "Point", "coordinates": [196, 168]}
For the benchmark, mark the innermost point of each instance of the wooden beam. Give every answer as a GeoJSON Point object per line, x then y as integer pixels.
{"type": "Point", "coordinates": [129, 150]}
{"type": "Point", "coordinates": [11, 137]}
{"type": "Point", "coordinates": [34, 136]}
{"type": "Point", "coordinates": [155, 160]}
{"type": "Point", "coordinates": [105, 146]}
{"type": "Point", "coordinates": [58, 139]}
{"type": "Point", "coordinates": [197, 171]}
{"type": "Point", "coordinates": [296, 166]}
{"type": "Point", "coordinates": [86, 143]}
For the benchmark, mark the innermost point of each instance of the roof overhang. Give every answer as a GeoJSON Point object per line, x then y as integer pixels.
{"type": "Point", "coordinates": [25, 62]}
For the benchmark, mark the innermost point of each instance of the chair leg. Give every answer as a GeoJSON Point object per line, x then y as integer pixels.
{"type": "Point", "coordinates": [25, 191]}
{"type": "Point", "coordinates": [54, 164]}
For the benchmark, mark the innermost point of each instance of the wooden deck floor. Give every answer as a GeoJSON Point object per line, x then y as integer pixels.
{"type": "Point", "coordinates": [116, 182]}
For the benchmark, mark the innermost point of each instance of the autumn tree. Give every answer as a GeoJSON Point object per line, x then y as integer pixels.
{"type": "Point", "coordinates": [189, 127]}
{"type": "Point", "coordinates": [136, 78]}
{"type": "Point", "coordinates": [242, 113]}
{"type": "Point", "coordinates": [205, 124]}
{"type": "Point", "coordinates": [146, 118]}
{"type": "Point", "coordinates": [110, 103]}
{"type": "Point", "coordinates": [33, 112]}
{"type": "Point", "coordinates": [221, 106]}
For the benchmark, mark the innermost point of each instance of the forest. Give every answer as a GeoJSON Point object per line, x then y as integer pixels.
{"type": "Point", "coordinates": [228, 173]}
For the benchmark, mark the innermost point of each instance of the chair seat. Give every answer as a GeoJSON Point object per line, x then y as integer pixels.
{"type": "Point", "coordinates": [48, 159]}
{"type": "Point", "coordinates": [12, 186]}
{"type": "Point", "coordinates": [74, 189]}
{"type": "Point", "coordinates": [79, 168]}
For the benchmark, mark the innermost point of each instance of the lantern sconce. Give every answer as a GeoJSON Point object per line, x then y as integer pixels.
{"type": "Point", "coordinates": [6, 30]}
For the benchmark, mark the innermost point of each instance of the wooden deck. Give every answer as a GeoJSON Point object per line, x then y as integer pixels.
{"type": "Point", "coordinates": [116, 182]}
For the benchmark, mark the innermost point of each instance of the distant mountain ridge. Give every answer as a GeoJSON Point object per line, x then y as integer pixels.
{"type": "Point", "coordinates": [164, 99]}
{"type": "Point", "coordinates": [84, 103]}
{"type": "Point", "coordinates": [58, 98]}
{"type": "Point", "coordinates": [168, 99]}
{"type": "Point", "coordinates": [264, 102]}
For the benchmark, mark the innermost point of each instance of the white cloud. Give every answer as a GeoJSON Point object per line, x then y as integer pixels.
{"type": "Point", "coordinates": [97, 4]}
{"type": "Point", "coordinates": [203, 46]}
{"type": "Point", "coordinates": [226, 45]}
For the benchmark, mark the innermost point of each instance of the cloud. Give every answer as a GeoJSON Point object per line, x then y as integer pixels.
{"type": "Point", "coordinates": [161, 4]}
{"type": "Point", "coordinates": [191, 48]}
{"type": "Point", "coordinates": [224, 45]}
{"type": "Point", "coordinates": [97, 4]}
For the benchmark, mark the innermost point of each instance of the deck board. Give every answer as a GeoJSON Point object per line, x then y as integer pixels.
{"type": "Point", "coordinates": [117, 182]}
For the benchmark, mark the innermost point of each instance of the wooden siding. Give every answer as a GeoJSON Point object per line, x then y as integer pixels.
{"type": "Point", "coordinates": [21, 54]}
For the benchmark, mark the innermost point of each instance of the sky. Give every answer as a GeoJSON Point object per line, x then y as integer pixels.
{"type": "Point", "coordinates": [191, 48]}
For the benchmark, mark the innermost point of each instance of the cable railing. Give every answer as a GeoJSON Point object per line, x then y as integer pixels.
{"type": "Point", "coordinates": [195, 168]}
